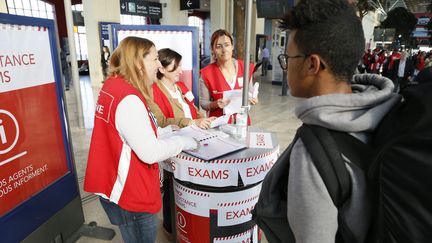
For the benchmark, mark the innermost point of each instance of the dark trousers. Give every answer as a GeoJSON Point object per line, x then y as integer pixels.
{"type": "Point", "coordinates": [166, 201]}
{"type": "Point", "coordinates": [265, 63]}
{"type": "Point", "coordinates": [135, 227]}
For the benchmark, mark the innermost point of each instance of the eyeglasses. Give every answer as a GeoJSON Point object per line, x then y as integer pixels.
{"type": "Point", "coordinates": [283, 60]}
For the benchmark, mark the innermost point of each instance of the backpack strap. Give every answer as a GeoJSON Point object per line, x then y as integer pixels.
{"type": "Point", "coordinates": [355, 150]}
{"type": "Point", "coordinates": [328, 161]}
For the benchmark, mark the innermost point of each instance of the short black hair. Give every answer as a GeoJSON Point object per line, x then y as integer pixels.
{"type": "Point", "coordinates": [330, 29]}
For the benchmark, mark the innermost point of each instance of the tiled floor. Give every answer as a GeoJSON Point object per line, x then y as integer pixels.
{"type": "Point", "coordinates": [274, 113]}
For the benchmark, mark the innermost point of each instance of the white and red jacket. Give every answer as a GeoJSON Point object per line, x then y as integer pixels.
{"type": "Point", "coordinates": [124, 135]}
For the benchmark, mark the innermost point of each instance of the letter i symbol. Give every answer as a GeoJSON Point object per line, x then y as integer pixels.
{"type": "Point", "coordinates": [2, 133]}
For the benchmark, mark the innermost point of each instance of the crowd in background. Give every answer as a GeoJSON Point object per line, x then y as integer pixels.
{"type": "Point", "coordinates": [401, 66]}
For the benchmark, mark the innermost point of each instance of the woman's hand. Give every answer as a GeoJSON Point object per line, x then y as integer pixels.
{"type": "Point", "coordinates": [174, 127]}
{"type": "Point", "coordinates": [253, 101]}
{"type": "Point", "coordinates": [204, 123]}
{"type": "Point", "coordinates": [221, 103]}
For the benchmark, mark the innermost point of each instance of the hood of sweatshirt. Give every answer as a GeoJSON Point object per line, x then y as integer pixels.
{"type": "Point", "coordinates": [360, 111]}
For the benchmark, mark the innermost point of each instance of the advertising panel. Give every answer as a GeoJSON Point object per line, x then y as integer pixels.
{"type": "Point", "coordinates": [31, 145]}
{"type": "Point", "coordinates": [37, 178]}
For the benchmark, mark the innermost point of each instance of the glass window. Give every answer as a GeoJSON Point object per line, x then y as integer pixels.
{"type": "Point", "coordinates": [35, 13]}
{"type": "Point", "coordinates": [132, 19]}
{"type": "Point", "coordinates": [198, 22]}
{"type": "Point", "coordinates": [49, 7]}
{"type": "Point", "coordinates": [32, 8]}
{"type": "Point", "coordinates": [34, 4]}
{"type": "Point", "coordinates": [19, 11]}
{"type": "Point", "coordinates": [18, 4]}
{"type": "Point", "coordinates": [42, 6]}
{"type": "Point", "coordinates": [81, 42]}
{"type": "Point", "coordinates": [43, 14]}
{"type": "Point", "coordinates": [50, 15]}
{"type": "Point", "coordinates": [11, 4]}
{"type": "Point", "coordinates": [26, 4]}
{"type": "Point", "coordinates": [77, 7]}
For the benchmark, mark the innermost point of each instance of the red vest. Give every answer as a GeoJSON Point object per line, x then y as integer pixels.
{"type": "Point", "coordinates": [162, 101]}
{"type": "Point", "coordinates": [113, 169]}
{"type": "Point", "coordinates": [216, 84]}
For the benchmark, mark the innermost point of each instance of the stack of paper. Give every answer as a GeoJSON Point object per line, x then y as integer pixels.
{"type": "Point", "coordinates": [211, 144]}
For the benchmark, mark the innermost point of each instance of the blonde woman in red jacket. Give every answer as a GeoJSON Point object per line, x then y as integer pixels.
{"type": "Point", "coordinates": [173, 101]}
{"type": "Point", "coordinates": [122, 166]}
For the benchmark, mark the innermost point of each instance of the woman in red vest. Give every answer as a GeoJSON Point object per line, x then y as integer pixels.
{"type": "Point", "coordinates": [173, 104]}
{"type": "Point", "coordinates": [226, 73]}
{"type": "Point", "coordinates": [122, 165]}
{"type": "Point", "coordinates": [173, 101]}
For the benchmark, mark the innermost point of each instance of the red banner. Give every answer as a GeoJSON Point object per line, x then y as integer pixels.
{"type": "Point", "coordinates": [32, 152]}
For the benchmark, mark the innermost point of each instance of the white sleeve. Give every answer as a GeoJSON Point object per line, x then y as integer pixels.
{"type": "Point", "coordinates": [312, 215]}
{"type": "Point", "coordinates": [134, 127]}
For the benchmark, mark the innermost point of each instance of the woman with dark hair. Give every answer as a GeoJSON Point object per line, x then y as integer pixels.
{"type": "Point", "coordinates": [173, 101]}
{"type": "Point", "coordinates": [173, 104]}
{"type": "Point", "coordinates": [105, 61]}
{"type": "Point", "coordinates": [226, 73]}
{"type": "Point", "coordinates": [122, 165]}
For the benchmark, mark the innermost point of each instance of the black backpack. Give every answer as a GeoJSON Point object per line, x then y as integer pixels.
{"type": "Point", "coordinates": [398, 165]}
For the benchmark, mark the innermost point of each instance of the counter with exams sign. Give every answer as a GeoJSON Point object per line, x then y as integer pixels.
{"type": "Point", "coordinates": [213, 199]}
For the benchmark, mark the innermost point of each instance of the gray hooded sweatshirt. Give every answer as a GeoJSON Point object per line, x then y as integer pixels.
{"type": "Point", "coordinates": [311, 213]}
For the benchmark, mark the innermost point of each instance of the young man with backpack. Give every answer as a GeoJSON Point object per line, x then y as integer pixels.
{"type": "Point", "coordinates": [325, 43]}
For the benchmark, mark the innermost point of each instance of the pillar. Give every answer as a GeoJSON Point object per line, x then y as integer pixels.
{"type": "Point", "coordinates": [96, 11]}
{"type": "Point", "coordinates": [171, 14]}
{"type": "Point", "coordinates": [218, 16]}
{"type": "Point", "coordinates": [3, 7]}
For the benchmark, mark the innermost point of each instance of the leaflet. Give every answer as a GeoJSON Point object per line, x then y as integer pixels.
{"type": "Point", "coordinates": [235, 101]}
{"type": "Point", "coordinates": [222, 120]}
{"type": "Point", "coordinates": [211, 145]}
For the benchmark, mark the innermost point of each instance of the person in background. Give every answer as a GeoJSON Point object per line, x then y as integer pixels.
{"type": "Point", "coordinates": [366, 60]}
{"type": "Point", "coordinates": [424, 76]}
{"type": "Point", "coordinates": [265, 60]}
{"type": "Point", "coordinates": [402, 71]}
{"type": "Point", "coordinates": [226, 73]}
{"type": "Point", "coordinates": [392, 58]}
{"type": "Point", "coordinates": [65, 69]}
{"type": "Point", "coordinates": [173, 101]}
{"type": "Point", "coordinates": [320, 69]}
{"type": "Point", "coordinates": [420, 62]}
{"type": "Point", "coordinates": [105, 61]}
{"type": "Point", "coordinates": [122, 165]}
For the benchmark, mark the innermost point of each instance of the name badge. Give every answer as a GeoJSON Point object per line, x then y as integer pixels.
{"type": "Point", "coordinates": [189, 96]}
{"type": "Point", "coordinates": [240, 81]}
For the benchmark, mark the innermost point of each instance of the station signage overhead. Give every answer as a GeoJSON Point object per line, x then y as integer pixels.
{"type": "Point", "coordinates": [141, 8]}
{"type": "Point", "coordinates": [189, 4]}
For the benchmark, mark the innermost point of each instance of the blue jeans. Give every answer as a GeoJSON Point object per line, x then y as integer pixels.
{"type": "Point", "coordinates": [134, 227]}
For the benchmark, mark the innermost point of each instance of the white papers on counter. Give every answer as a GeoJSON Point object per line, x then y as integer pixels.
{"type": "Point", "coordinates": [222, 120]}
{"type": "Point", "coordinates": [211, 144]}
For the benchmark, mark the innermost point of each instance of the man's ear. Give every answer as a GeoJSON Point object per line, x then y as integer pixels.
{"type": "Point", "coordinates": [162, 70]}
{"type": "Point", "coordinates": [315, 64]}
